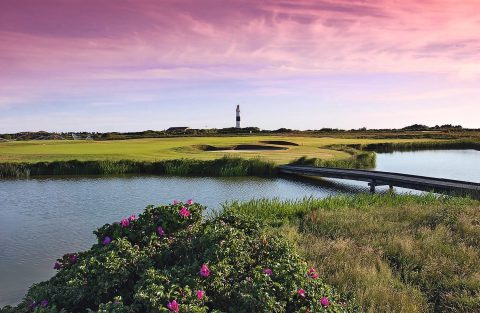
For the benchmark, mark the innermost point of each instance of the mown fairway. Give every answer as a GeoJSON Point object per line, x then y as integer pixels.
{"type": "Point", "coordinates": [177, 148]}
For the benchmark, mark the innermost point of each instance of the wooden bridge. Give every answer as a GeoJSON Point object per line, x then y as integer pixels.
{"type": "Point", "coordinates": [377, 178]}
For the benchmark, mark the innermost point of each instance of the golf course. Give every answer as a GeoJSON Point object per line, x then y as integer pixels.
{"type": "Point", "coordinates": [277, 149]}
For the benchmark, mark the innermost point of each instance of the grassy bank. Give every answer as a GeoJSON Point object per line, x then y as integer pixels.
{"type": "Point", "coordinates": [226, 166]}
{"type": "Point", "coordinates": [417, 146]}
{"type": "Point", "coordinates": [229, 165]}
{"type": "Point", "coordinates": [393, 253]}
{"type": "Point", "coordinates": [357, 159]}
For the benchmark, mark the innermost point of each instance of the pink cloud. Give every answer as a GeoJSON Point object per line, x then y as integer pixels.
{"type": "Point", "coordinates": [304, 37]}
{"type": "Point", "coordinates": [65, 44]}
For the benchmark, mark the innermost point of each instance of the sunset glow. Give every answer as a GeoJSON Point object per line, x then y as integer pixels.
{"type": "Point", "coordinates": [135, 65]}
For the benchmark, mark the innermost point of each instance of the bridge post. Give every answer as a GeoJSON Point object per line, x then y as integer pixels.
{"type": "Point", "coordinates": [372, 186]}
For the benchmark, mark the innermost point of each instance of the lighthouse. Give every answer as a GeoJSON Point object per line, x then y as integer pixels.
{"type": "Point", "coordinates": [238, 117]}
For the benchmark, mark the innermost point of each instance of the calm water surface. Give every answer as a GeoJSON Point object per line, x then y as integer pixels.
{"type": "Point", "coordinates": [44, 218]}
{"type": "Point", "coordinates": [453, 164]}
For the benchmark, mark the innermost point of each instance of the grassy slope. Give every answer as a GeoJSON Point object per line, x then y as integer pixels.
{"type": "Point", "coordinates": [393, 253]}
{"type": "Point", "coordinates": [174, 148]}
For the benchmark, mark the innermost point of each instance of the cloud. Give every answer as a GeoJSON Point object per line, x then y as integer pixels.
{"type": "Point", "coordinates": [278, 37]}
{"type": "Point", "coordinates": [131, 47]}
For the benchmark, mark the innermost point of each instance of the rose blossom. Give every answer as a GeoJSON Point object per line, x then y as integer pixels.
{"type": "Point", "coordinates": [107, 241]}
{"type": "Point", "coordinates": [184, 212]}
{"type": "Point", "coordinates": [160, 231]}
{"type": "Point", "coordinates": [325, 302]}
{"type": "Point", "coordinates": [173, 306]}
{"type": "Point", "coordinates": [200, 294]}
{"type": "Point", "coordinates": [268, 272]}
{"type": "Point", "coordinates": [204, 271]}
{"type": "Point", "coordinates": [301, 293]}
{"type": "Point", "coordinates": [125, 222]}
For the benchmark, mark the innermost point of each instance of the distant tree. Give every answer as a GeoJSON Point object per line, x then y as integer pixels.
{"type": "Point", "coordinates": [328, 130]}
{"type": "Point", "coordinates": [416, 127]}
{"type": "Point", "coordinates": [283, 130]}
{"type": "Point", "coordinates": [244, 130]}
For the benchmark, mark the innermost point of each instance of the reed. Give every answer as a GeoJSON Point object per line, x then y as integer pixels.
{"type": "Point", "coordinates": [15, 170]}
{"type": "Point", "coordinates": [226, 166]}
{"type": "Point", "coordinates": [359, 160]}
{"type": "Point", "coordinates": [417, 146]}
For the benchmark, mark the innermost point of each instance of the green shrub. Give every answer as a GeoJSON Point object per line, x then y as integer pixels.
{"type": "Point", "coordinates": [172, 256]}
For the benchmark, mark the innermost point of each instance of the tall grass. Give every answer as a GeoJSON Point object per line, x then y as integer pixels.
{"type": "Point", "coordinates": [226, 166]}
{"type": "Point", "coordinates": [14, 170]}
{"type": "Point", "coordinates": [393, 253]}
{"type": "Point", "coordinates": [363, 155]}
{"type": "Point", "coordinates": [417, 146]}
{"type": "Point", "coordinates": [360, 161]}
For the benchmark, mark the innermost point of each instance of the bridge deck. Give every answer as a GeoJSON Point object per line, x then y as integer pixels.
{"type": "Point", "coordinates": [377, 178]}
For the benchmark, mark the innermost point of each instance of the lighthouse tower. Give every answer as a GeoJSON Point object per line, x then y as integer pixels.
{"type": "Point", "coordinates": [238, 117]}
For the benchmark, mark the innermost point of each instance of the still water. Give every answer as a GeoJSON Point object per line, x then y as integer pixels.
{"type": "Point", "coordinates": [453, 164]}
{"type": "Point", "coordinates": [44, 218]}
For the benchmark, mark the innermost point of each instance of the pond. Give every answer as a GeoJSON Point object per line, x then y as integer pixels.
{"type": "Point", "coordinates": [453, 164]}
{"type": "Point", "coordinates": [44, 218]}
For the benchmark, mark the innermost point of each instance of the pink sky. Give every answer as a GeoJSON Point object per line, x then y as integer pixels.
{"type": "Point", "coordinates": [364, 63]}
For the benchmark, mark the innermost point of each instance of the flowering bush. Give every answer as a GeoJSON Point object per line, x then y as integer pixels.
{"type": "Point", "coordinates": [170, 259]}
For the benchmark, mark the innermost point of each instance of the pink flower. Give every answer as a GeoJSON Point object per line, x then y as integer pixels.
{"type": "Point", "coordinates": [200, 294]}
{"type": "Point", "coordinates": [312, 273]}
{"type": "Point", "coordinates": [73, 258]}
{"type": "Point", "coordinates": [160, 231]}
{"type": "Point", "coordinates": [190, 202]}
{"type": "Point", "coordinates": [184, 212]}
{"type": "Point", "coordinates": [301, 293]}
{"type": "Point", "coordinates": [173, 306]}
{"type": "Point", "coordinates": [132, 218]}
{"type": "Point", "coordinates": [57, 266]}
{"type": "Point", "coordinates": [107, 240]}
{"type": "Point", "coordinates": [125, 223]}
{"type": "Point", "coordinates": [325, 302]}
{"type": "Point", "coordinates": [268, 272]}
{"type": "Point", "coordinates": [204, 271]}
{"type": "Point", "coordinates": [44, 303]}
{"type": "Point", "coordinates": [175, 202]}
